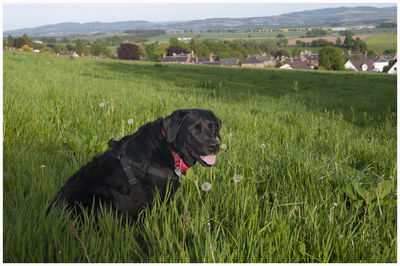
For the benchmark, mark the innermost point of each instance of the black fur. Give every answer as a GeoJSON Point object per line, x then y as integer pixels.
{"type": "Point", "coordinates": [188, 132]}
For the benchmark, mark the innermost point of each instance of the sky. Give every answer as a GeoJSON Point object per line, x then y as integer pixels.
{"type": "Point", "coordinates": [30, 15]}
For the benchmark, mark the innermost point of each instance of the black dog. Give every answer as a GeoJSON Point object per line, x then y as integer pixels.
{"type": "Point", "coordinates": [127, 178]}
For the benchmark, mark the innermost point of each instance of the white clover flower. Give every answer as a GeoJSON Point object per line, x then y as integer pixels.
{"type": "Point", "coordinates": [130, 121]}
{"type": "Point", "coordinates": [262, 146]}
{"type": "Point", "coordinates": [206, 186]}
{"type": "Point", "coordinates": [237, 178]}
{"type": "Point", "coordinates": [101, 105]}
{"type": "Point", "coordinates": [229, 135]}
{"type": "Point", "coordinates": [334, 204]}
{"type": "Point", "coordinates": [223, 146]}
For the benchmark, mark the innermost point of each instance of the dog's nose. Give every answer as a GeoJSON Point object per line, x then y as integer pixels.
{"type": "Point", "coordinates": [213, 146]}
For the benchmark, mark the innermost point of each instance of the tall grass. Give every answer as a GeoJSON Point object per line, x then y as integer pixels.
{"type": "Point", "coordinates": [322, 188]}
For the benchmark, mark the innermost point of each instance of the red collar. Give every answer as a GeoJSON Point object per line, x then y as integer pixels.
{"type": "Point", "coordinates": [178, 160]}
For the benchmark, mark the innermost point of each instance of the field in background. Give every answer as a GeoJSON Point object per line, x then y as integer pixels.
{"type": "Point", "coordinates": [321, 188]}
{"type": "Point", "coordinates": [381, 42]}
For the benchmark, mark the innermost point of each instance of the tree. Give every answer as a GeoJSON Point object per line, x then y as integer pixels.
{"type": "Point", "coordinates": [280, 36]}
{"type": "Point", "coordinates": [348, 41]}
{"type": "Point", "coordinates": [65, 40]}
{"type": "Point", "coordinates": [28, 40]}
{"type": "Point", "coordinates": [116, 40]}
{"type": "Point", "coordinates": [158, 51]}
{"type": "Point", "coordinates": [176, 50]}
{"type": "Point", "coordinates": [59, 48]}
{"type": "Point", "coordinates": [300, 43]}
{"type": "Point", "coordinates": [338, 42]}
{"type": "Point", "coordinates": [20, 42]}
{"type": "Point", "coordinates": [362, 46]}
{"type": "Point", "coordinates": [295, 52]}
{"type": "Point", "coordinates": [280, 53]}
{"type": "Point", "coordinates": [80, 47]}
{"type": "Point", "coordinates": [128, 51]}
{"type": "Point", "coordinates": [283, 42]}
{"type": "Point", "coordinates": [99, 48]}
{"type": "Point", "coordinates": [199, 48]}
{"type": "Point", "coordinates": [371, 54]}
{"type": "Point", "coordinates": [331, 58]}
{"type": "Point", "coordinates": [389, 52]}
{"type": "Point", "coordinates": [10, 41]}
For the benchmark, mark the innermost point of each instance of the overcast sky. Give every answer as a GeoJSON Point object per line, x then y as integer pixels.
{"type": "Point", "coordinates": [29, 15]}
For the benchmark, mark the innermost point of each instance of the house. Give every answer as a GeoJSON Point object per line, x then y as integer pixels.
{"type": "Point", "coordinates": [258, 61]}
{"type": "Point", "coordinates": [211, 60]}
{"type": "Point", "coordinates": [307, 56]}
{"type": "Point", "coordinates": [380, 63]}
{"type": "Point", "coordinates": [297, 65]}
{"type": "Point", "coordinates": [393, 67]}
{"type": "Point", "coordinates": [365, 65]}
{"type": "Point", "coordinates": [179, 58]}
{"type": "Point", "coordinates": [229, 61]}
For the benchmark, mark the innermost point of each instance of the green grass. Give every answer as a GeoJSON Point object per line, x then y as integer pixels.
{"type": "Point", "coordinates": [300, 200]}
{"type": "Point", "coordinates": [381, 42]}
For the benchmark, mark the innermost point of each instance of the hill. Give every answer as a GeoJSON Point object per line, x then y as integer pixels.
{"type": "Point", "coordinates": [312, 18]}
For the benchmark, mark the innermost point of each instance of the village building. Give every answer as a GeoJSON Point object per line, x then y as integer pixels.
{"type": "Point", "coordinates": [258, 61]}
{"type": "Point", "coordinates": [393, 67]}
{"type": "Point", "coordinates": [380, 63]}
{"type": "Point", "coordinates": [297, 65]}
{"type": "Point", "coordinates": [365, 65]}
{"type": "Point", "coordinates": [211, 60]}
{"type": "Point", "coordinates": [307, 56]}
{"type": "Point", "coordinates": [229, 61]}
{"type": "Point", "coordinates": [179, 58]}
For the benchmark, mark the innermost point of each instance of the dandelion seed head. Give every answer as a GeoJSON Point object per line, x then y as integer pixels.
{"type": "Point", "coordinates": [130, 121]}
{"type": "Point", "coordinates": [111, 99]}
{"type": "Point", "coordinates": [229, 135]}
{"type": "Point", "coordinates": [262, 146]}
{"type": "Point", "coordinates": [223, 146]}
{"type": "Point", "coordinates": [43, 166]}
{"type": "Point", "coordinates": [335, 204]}
{"type": "Point", "coordinates": [237, 178]}
{"type": "Point", "coordinates": [206, 186]}
{"type": "Point", "coordinates": [101, 105]}
{"type": "Point", "coordinates": [340, 236]}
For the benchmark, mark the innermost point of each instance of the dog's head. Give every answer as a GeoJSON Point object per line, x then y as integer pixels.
{"type": "Point", "coordinates": [192, 133]}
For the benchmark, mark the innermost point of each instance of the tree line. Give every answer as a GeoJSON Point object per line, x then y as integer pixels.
{"type": "Point", "coordinates": [331, 55]}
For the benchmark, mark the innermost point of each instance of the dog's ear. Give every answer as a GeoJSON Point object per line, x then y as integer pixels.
{"type": "Point", "coordinates": [172, 123]}
{"type": "Point", "coordinates": [219, 125]}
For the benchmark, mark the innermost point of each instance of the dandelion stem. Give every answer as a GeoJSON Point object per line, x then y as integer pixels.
{"type": "Point", "coordinates": [211, 249]}
{"type": "Point", "coordinates": [76, 235]}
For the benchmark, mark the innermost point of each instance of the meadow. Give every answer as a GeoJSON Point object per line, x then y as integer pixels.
{"type": "Point", "coordinates": [316, 151]}
{"type": "Point", "coordinates": [381, 42]}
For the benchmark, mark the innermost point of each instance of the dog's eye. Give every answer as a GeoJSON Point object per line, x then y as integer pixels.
{"type": "Point", "coordinates": [196, 129]}
{"type": "Point", "coordinates": [212, 128]}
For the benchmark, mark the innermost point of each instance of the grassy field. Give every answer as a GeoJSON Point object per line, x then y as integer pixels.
{"type": "Point", "coordinates": [321, 188]}
{"type": "Point", "coordinates": [382, 42]}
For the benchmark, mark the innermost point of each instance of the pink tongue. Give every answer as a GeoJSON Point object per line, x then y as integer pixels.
{"type": "Point", "coordinates": [208, 159]}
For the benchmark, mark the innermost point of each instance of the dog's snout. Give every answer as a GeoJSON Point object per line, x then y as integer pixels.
{"type": "Point", "coordinates": [213, 146]}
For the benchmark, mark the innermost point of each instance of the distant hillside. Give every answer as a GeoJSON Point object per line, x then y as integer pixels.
{"type": "Point", "coordinates": [312, 18]}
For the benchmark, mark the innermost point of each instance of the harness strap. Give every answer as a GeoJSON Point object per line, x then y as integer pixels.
{"type": "Point", "coordinates": [132, 180]}
{"type": "Point", "coordinates": [127, 163]}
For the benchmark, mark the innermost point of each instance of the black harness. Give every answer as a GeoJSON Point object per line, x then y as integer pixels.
{"type": "Point", "coordinates": [127, 165]}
